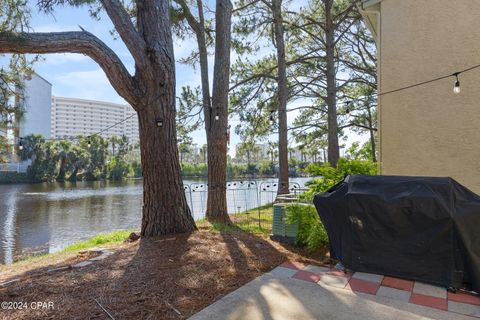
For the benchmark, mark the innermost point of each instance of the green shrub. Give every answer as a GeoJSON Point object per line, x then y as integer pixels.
{"type": "Point", "coordinates": [194, 170]}
{"type": "Point", "coordinates": [330, 176]}
{"type": "Point", "coordinates": [13, 177]}
{"type": "Point", "coordinates": [118, 168]}
{"type": "Point", "coordinates": [311, 232]}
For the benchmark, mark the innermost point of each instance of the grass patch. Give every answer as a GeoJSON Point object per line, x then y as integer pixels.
{"type": "Point", "coordinates": [101, 239]}
{"type": "Point", "coordinates": [114, 237]}
{"type": "Point", "coordinates": [257, 220]}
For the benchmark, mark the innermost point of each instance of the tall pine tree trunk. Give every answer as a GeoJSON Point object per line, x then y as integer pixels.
{"type": "Point", "coordinates": [215, 108]}
{"type": "Point", "coordinates": [333, 147]}
{"type": "Point", "coordinates": [165, 208]}
{"type": "Point", "coordinates": [282, 98]}
{"type": "Point", "coordinates": [217, 132]}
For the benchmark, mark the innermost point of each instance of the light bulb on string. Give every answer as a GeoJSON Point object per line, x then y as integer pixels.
{"type": "Point", "coordinates": [347, 111]}
{"type": "Point", "coordinates": [456, 87]}
{"type": "Point", "coordinates": [89, 143]}
{"type": "Point", "coordinates": [217, 117]}
{"type": "Point", "coordinates": [20, 144]}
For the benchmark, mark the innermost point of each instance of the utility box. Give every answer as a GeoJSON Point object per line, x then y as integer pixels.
{"type": "Point", "coordinates": [281, 231]}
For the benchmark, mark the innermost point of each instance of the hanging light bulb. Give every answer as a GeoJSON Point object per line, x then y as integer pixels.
{"type": "Point", "coordinates": [456, 87]}
{"type": "Point", "coordinates": [217, 117]}
{"type": "Point", "coordinates": [89, 143]}
{"type": "Point", "coordinates": [347, 111]}
{"type": "Point", "coordinates": [20, 144]}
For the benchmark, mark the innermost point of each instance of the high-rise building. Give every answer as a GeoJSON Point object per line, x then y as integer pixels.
{"type": "Point", "coordinates": [37, 99]}
{"type": "Point", "coordinates": [72, 117]}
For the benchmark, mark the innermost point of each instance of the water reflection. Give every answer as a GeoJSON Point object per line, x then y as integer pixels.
{"type": "Point", "coordinates": [49, 217]}
{"type": "Point", "coordinates": [8, 223]}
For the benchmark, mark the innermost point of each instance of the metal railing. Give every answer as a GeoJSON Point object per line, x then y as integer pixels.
{"type": "Point", "coordinates": [14, 167]}
{"type": "Point", "coordinates": [245, 200]}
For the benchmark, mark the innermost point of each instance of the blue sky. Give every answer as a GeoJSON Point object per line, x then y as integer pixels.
{"type": "Point", "coordinates": [75, 75]}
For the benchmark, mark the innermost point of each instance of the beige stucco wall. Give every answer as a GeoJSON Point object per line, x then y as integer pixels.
{"type": "Point", "coordinates": [428, 130]}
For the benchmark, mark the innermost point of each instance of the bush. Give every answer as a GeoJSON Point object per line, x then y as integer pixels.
{"type": "Point", "coordinates": [13, 177]}
{"type": "Point", "coordinates": [311, 232]}
{"type": "Point", "coordinates": [118, 168]}
{"type": "Point", "coordinates": [194, 170]}
{"type": "Point", "coordinates": [330, 176]}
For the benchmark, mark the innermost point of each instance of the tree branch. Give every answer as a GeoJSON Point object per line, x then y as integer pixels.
{"type": "Point", "coordinates": [125, 28]}
{"type": "Point", "coordinates": [75, 42]}
{"type": "Point", "coordinates": [192, 22]}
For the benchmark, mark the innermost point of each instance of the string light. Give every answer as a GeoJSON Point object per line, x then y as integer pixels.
{"type": "Point", "coordinates": [159, 123]}
{"type": "Point", "coordinates": [456, 87]}
{"type": "Point", "coordinates": [347, 111]}
{"type": "Point", "coordinates": [456, 90]}
{"type": "Point", "coordinates": [20, 144]}
{"type": "Point", "coordinates": [89, 143]}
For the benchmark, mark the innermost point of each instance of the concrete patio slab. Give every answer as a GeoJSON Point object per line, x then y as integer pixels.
{"type": "Point", "coordinates": [316, 269]}
{"type": "Point", "coordinates": [338, 282]}
{"type": "Point", "coordinates": [283, 272]}
{"type": "Point", "coordinates": [463, 308]}
{"type": "Point", "coordinates": [393, 293]}
{"type": "Point", "coordinates": [429, 290]}
{"type": "Point", "coordinates": [276, 297]}
{"type": "Point", "coordinates": [375, 278]}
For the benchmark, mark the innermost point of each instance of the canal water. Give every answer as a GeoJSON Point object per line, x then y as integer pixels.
{"type": "Point", "coordinates": [41, 218]}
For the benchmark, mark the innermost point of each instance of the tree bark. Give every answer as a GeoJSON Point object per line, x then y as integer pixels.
{"type": "Point", "coordinates": [333, 148]}
{"type": "Point", "coordinates": [217, 131]}
{"type": "Point", "coordinates": [165, 208]}
{"type": "Point", "coordinates": [283, 185]}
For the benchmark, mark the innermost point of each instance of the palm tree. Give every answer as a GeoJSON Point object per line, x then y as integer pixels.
{"type": "Point", "coordinates": [64, 148]}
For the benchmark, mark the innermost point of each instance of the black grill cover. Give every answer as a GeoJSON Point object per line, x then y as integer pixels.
{"type": "Point", "coordinates": [418, 228]}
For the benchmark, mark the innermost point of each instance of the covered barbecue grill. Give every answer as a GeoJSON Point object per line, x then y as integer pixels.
{"type": "Point", "coordinates": [418, 228]}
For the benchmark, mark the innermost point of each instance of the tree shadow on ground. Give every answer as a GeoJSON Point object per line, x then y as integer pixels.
{"type": "Point", "coordinates": [170, 277]}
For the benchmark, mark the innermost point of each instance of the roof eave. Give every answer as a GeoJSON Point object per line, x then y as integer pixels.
{"type": "Point", "coordinates": [370, 11]}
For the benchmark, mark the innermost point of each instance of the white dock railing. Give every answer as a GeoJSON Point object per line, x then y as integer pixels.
{"type": "Point", "coordinates": [20, 167]}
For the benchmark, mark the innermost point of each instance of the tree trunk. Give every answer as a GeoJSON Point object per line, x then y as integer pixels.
{"type": "Point", "coordinates": [217, 131]}
{"type": "Point", "coordinates": [282, 98]}
{"type": "Point", "coordinates": [165, 208]}
{"type": "Point", "coordinates": [333, 148]}
{"type": "Point", "coordinates": [61, 171]}
{"type": "Point", "coordinates": [73, 176]}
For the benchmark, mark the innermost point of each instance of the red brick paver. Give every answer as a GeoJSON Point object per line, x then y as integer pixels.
{"type": "Point", "coordinates": [363, 286]}
{"type": "Point", "coordinates": [401, 284]}
{"type": "Point", "coordinates": [429, 301]}
{"type": "Point", "coordinates": [464, 298]}
{"type": "Point", "coordinates": [307, 276]}
{"type": "Point", "coordinates": [398, 289]}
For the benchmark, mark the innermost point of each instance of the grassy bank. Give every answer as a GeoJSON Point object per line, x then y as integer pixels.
{"type": "Point", "coordinates": [257, 220]}
{"type": "Point", "coordinates": [102, 239]}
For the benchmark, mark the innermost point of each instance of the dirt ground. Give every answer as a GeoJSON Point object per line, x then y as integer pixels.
{"type": "Point", "coordinates": [166, 278]}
